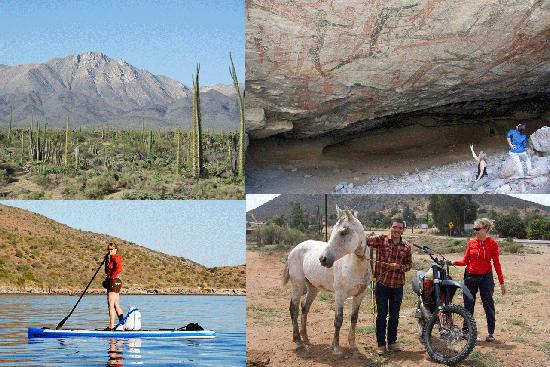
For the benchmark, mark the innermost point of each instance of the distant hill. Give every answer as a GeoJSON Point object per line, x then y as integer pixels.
{"type": "Point", "coordinates": [95, 90]}
{"type": "Point", "coordinates": [38, 253]}
{"type": "Point", "coordinates": [374, 203]}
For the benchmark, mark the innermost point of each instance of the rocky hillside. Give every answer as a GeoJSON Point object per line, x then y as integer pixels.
{"type": "Point", "coordinates": [341, 67]}
{"type": "Point", "coordinates": [373, 203]}
{"type": "Point", "coordinates": [37, 253]}
{"type": "Point", "coordinates": [95, 90]}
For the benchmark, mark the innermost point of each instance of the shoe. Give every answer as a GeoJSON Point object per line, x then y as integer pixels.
{"type": "Point", "coordinates": [490, 338]}
{"type": "Point", "coordinates": [394, 347]}
{"type": "Point", "coordinates": [381, 350]}
{"type": "Point", "coordinates": [108, 329]}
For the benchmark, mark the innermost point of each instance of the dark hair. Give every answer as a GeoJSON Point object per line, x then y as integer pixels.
{"type": "Point", "coordinates": [521, 128]}
{"type": "Point", "coordinates": [397, 220]}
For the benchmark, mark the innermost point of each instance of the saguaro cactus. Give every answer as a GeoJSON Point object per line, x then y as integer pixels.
{"type": "Point", "coordinates": [196, 158]}
{"type": "Point", "coordinates": [178, 149]}
{"type": "Point", "coordinates": [241, 110]}
{"type": "Point", "coordinates": [66, 156]}
{"type": "Point", "coordinates": [11, 122]}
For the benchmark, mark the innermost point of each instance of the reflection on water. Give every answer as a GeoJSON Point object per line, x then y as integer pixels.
{"type": "Point", "coordinates": [115, 353]}
{"type": "Point", "coordinates": [225, 315]}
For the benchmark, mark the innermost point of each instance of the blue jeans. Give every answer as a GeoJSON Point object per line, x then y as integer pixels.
{"type": "Point", "coordinates": [387, 299]}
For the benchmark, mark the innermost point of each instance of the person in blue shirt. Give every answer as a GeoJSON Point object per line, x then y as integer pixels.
{"type": "Point", "coordinates": [517, 142]}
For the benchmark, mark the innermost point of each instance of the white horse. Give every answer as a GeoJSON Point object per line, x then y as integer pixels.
{"type": "Point", "coordinates": [340, 266]}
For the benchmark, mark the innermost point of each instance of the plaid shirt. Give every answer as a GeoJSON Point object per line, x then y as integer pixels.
{"type": "Point", "coordinates": [389, 252]}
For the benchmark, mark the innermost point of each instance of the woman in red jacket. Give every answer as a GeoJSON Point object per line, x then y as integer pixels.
{"type": "Point", "coordinates": [479, 274]}
{"type": "Point", "coordinates": [113, 284]}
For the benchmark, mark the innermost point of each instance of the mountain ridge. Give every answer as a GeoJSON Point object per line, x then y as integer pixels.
{"type": "Point", "coordinates": [367, 203]}
{"type": "Point", "coordinates": [94, 89]}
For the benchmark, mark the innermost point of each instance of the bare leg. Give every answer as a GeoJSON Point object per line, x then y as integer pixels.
{"type": "Point", "coordinates": [338, 319]}
{"type": "Point", "coordinates": [306, 304]}
{"type": "Point", "coordinates": [117, 304]}
{"type": "Point", "coordinates": [297, 289]}
{"type": "Point", "coordinates": [112, 312]}
{"type": "Point", "coordinates": [354, 316]}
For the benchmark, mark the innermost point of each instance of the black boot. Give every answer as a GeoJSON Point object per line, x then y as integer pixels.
{"type": "Point", "coordinates": [120, 317]}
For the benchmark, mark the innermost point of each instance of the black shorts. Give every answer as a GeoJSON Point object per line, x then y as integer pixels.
{"type": "Point", "coordinates": [112, 285]}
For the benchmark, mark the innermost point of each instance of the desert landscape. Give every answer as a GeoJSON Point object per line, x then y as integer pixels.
{"type": "Point", "coordinates": [87, 126]}
{"type": "Point", "coordinates": [522, 323]}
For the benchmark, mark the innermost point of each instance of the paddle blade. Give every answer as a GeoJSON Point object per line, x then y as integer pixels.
{"type": "Point", "coordinates": [60, 325]}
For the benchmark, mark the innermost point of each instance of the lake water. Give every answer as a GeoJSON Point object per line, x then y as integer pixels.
{"type": "Point", "coordinates": [225, 315]}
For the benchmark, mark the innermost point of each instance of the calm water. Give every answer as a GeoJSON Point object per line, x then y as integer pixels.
{"type": "Point", "coordinates": [225, 315]}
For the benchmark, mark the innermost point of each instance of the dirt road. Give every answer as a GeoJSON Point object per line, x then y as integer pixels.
{"type": "Point", "coordinates": [523, 326]}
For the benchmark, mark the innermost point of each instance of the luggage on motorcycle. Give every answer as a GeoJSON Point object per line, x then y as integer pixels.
{"type": "Point", "coordinates": [417, 282]}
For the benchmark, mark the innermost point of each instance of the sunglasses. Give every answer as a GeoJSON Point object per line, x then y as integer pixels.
{"type": "Point", "coordinates": [478, 229]}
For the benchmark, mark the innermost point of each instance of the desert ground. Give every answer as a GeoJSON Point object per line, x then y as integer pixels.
{"type": "Point", "coordinates": [522, 329]}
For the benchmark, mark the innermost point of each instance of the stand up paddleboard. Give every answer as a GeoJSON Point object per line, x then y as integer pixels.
{"type": "Point", "coordinates": [160, 333]}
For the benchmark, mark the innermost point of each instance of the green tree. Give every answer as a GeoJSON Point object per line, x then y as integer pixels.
{"type": "Point", "coordinates": [510, 225]}
{"type": "Point", "coordinates": [298, 218]}
{"type": "Point", "coordinates": [409, 216]}
{"type": "Point", "coordinates": [458, 209]}
{"type": "Point", "coordinates": [539, 229]}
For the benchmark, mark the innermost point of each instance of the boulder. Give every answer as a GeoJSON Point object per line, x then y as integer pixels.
{"type": "Point", "coordinates": [507, 169]}
{"type": "Point", "coordinates": [347, 66]}
{"type": "Point", "coordinates": [540, 140]}
{"type": "Point", "coordinates": [504, 189]}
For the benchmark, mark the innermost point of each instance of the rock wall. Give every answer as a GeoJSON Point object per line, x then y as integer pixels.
{"type": "Point", "coordinates": [317, 67]}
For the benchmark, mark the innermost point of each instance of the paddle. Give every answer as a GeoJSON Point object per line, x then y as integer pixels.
{"type": "Point", "coordinates": [60, 325]}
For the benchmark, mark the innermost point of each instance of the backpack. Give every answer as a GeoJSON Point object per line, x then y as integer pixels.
{"type": "Point", "coordinates": [133, 319]}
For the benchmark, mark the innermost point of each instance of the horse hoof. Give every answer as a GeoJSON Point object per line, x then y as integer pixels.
{"type": "Point", "coordinates": [337, 354]}
{"type": "Point", "coordinates": [353, 350]}
{"type": "Point", "coordinates": [301, 348]}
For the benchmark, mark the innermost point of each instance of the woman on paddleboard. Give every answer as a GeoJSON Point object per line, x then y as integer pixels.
{"type": "Point", "coordinates": [113, 267]}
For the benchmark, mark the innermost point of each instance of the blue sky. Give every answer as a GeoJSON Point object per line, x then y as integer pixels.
{"type": "Point", "coordinates": [162, 36]}
{"type": "Point", "coordinates": [209, 232]}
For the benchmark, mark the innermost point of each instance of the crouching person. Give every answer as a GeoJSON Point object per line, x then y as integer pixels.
{"type": "Point", "coordinates": [393, 260]}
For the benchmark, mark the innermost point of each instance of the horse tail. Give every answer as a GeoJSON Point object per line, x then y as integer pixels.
{"type": "Point", "coordinates": [286, 274]}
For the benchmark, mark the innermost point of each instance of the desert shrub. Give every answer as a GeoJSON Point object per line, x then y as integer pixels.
{"type": "Point", "coordinates": [272, 234]}
{"type": "Point", "coordinates": [539, 229]}
{"type": "Point", "coordinates": [511, 247]}
{"type": "Point", "coordinates": [99, 186]}
{"type": "Point", "coordinates": [18, 253]}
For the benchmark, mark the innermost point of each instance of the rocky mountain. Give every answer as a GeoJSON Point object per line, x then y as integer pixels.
{"type": "Point", "coordinates": [37, 254]}
{"type": "Point", "coordinates": [94, 90]}
{"type": "Point", "coordinates": [316, 68]}
{"type": "Point", "coordinates": [373, 203]}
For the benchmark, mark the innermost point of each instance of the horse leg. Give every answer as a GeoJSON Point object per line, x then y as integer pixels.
{"type": "Point", "coordinates": [297, 289]}
{"type": "Point", "coordinates": [338, 319]}
{"type": "Point", "coordinates": [354, 316]}
{"type": "Point", "coordinates": [306, 304]}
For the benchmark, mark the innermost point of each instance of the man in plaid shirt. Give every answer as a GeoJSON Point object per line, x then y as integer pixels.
{"type": "Point", "coordinates": [393, 260]}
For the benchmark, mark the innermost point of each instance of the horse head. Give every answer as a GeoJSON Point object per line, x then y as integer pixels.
{"type": "Point", "coordinates": [348, 236]}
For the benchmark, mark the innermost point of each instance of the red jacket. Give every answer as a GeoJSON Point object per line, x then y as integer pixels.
{"type": "Point", "coordinates": [114, 268]}
{"type": "Point", "coordinates": [477, 258]}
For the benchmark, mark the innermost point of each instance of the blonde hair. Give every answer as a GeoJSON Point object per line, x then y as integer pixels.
{"type": "Point", "coordinates": [484, 223]}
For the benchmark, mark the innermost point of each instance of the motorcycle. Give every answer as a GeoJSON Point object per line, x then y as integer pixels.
{"type": "Point", "coordinates": [448, 331]}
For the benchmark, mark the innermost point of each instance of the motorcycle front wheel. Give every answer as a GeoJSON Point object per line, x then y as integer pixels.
{"type": "Point", "coordinates": [451, 335]}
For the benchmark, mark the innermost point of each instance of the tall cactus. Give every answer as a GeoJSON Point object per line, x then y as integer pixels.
{"type": "Point", "coordinates": [241, 110]}
{"type": "Point", "coordinates": [66, 156]}
{"type": "Point", "coordinates": [178, 149]}
{"type": "Point", "coordinates": [150, 143]}
{"type": "Point", "coordinates": [197, 158]}
{"type": "Point", "coordinates": [11, 122]}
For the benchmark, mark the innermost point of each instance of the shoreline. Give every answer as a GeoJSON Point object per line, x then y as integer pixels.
{"type": "Point", "coordinates": [132, 291]}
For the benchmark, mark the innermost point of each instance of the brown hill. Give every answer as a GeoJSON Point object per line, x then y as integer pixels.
{"type": "Point", "coordinates": [384, 203]}
{"type": "Point", "coordinates": [38, 254]}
